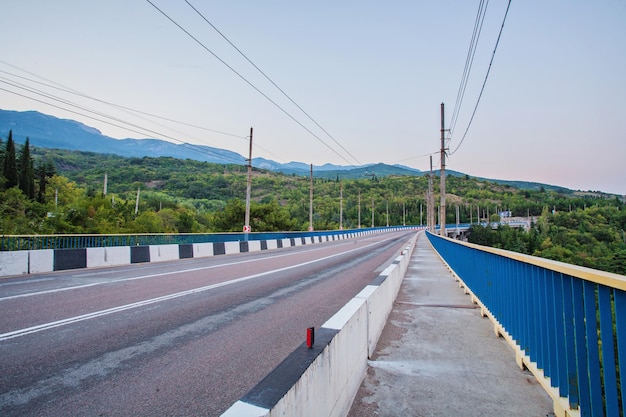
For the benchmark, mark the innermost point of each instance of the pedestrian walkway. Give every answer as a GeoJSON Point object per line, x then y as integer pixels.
{"type": "Point", "coordinates": [438, 357]}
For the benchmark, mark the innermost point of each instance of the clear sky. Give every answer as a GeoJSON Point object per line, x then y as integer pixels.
{"type": "Point", "coordinates": [372, 74]}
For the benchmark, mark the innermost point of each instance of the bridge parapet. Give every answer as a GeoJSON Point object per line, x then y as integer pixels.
{"type": "Point", "coordinates": [566, 323]}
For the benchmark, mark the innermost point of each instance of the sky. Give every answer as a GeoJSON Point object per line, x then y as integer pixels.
{"type": "Point", "coordinates": [362, 81]}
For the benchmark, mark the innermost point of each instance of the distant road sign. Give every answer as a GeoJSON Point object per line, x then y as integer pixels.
{"type": "Point", "coordinates": [247, 229]}
{"type": "Point", "coordinates": [310, 228]}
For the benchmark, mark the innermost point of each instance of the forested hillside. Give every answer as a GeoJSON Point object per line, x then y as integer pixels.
{"type": "Point", "coordinates": [46, 191]}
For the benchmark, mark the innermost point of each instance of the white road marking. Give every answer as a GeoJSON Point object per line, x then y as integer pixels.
{"type": "Point", "coordinates": [95, 314]}
{"type": "Point", "coordinates": [182, 271]}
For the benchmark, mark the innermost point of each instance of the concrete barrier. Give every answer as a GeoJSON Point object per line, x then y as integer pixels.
{"type": "Point", "coordinates": [48, 260]}
{"type": "Point", "coordinates": [139, 254]}
{"type": "Point", "coordinates": [14, 263]}
{"type": "Point", "coordinates": [323, 381]}
{"type": "Point", "coordinates": [70, 259]}
{"type": "Point", "coordinates": [40, 260]}
{"type": "Point", "coordinates": [202, 250]}
{"type": "Point", "coordinates": [109, 256]}
{"type": "Point", "coordinates": [254, 246]}
{"type": "Point", "coordinates": [161, 253]}
{"type": "Point", "coordinates": [231, 247]}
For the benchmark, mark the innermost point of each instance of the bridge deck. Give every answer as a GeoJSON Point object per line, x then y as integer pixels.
{"type": "Point", "coordinates": [438, 357]}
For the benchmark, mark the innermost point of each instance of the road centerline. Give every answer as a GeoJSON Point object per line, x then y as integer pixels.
{"type": "Point", "coordinates": [100, 313]}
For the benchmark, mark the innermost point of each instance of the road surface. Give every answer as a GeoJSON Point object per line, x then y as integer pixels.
{"type": "Point", "coordinates": [179, 338]}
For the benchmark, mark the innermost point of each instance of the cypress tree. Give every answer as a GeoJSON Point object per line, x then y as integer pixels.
{"type": "Point", "coordinates": [43, 171]}
{"type": "Point", "coordinates": [26, 172]}
{"type": "Point", "coordinates": [10, 164]}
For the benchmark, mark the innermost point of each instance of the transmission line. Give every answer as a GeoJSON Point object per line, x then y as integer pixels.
{"type": "Point", "coordinates": [60, 87]}
{"type": "Point", "coordinates": [248, 82]}
{"type": "Point", "coordinates": [116, 121]}
{"type": "Point", "coordinates": [271, 81]}
{"type": "Point", "coordinates": [486, 77]}
{"type": "Point", "coordinates": [469, 60]}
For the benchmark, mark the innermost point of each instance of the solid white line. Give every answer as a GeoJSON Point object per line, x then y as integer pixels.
{"type": "Point", "coordinates": [95, 314]}
{"type": "Point", "coordinates": [180, 271]}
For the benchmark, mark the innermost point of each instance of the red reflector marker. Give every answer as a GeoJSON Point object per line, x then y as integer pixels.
{"type": "Point", "coordinates": [310, 337]}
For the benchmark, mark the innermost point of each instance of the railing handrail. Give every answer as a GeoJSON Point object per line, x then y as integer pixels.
{"type": "Point", "coordinates": [609, 279]}
{"type": "Point", "coordinates": [567, 324]}
{"type": "Point", "coordinates": [89, 240]}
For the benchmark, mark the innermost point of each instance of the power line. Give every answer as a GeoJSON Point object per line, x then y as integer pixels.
{"type": "Point", "coordinates": [486, 77]}
{"type": "Point", "coordinates": [133, 127]}
{"type": "Point", "coordinates": [271, 81]}
{"type": "Point", "coordinates": [469, 60]}
{"type": "Point", "coordinates": [60, 87]}
{"type": "Point", "coordinates": [77, 93]}
{"type": "Point", "coordinates": [248, 82]}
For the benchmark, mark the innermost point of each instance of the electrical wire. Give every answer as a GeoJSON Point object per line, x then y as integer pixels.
{"type": "Point", "coordinates": [116, 121]}
{"type": "Point", "coordinates": [469, 60]}
{"type": "Point", "coordinates": [416, 157]}
{"type": "Point", "coordinates": [271, 81]}
{"type": "Point", "coordinates": [248, 82]}
{"type": "Point", "coordinates": [77, 93]}
{"type": "Point", "coordinates": [485, 81]}
{"type": "Point", "coordinates": [57, 86]}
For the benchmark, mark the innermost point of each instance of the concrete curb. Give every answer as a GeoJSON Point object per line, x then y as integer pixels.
{"type": "Point", "coordinates": [323, 380]}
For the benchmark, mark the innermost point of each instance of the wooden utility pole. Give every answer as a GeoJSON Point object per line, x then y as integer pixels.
{"type": "Point", "coordinates": [340, 205]}
{"type": "Point", "coordinates": [359, 208]}
{"type": "Point", "coordinates": [311, 201]}
{"type": "Point", "coordinates": [246, 224]}
{"type": "Point", "coordinates": [387, 213]}
{"type": "Point", "coordinates": [430, 208]}
{"type": "Point", "coordinates": [137, 202]}
{"type": "Point", "coordinates": [403, 214]}
{"type": "Point", "coordinates": [442, 206]}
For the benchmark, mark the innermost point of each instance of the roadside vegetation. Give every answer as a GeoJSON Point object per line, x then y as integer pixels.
{"type": "Point", "coordinates": [51, 191]}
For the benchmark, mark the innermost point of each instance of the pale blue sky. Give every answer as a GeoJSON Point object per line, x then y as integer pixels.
{"type": "Point", "coordinates": [371, 73]}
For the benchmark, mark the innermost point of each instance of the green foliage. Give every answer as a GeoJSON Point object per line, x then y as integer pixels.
{"type": "Point", "coordinates": [10, 163]}
{"type": "Point", "coordinates": [26, 171]}
{"type": "Point", "coordinates": [191, 196]}
{"type": "Point", "coordinates": [593, 237]}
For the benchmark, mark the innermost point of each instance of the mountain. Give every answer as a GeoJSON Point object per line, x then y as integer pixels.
{"type": "Point", "coordinates": [50, 132]}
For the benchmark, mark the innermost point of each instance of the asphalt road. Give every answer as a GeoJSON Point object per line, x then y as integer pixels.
{"type": "Point", "coordinates": [181, 338]}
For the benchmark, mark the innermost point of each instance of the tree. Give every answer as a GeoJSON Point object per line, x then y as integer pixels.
{"type": "Point", "coordinates": [26, 178]}
{"type": "Point", "coordinates": [10, 164]}
{"type": "Point", "coordinates": [43, 172]}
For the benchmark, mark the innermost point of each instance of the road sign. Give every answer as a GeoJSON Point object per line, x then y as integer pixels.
{"type": "Point", "coordinates": [247, 229]}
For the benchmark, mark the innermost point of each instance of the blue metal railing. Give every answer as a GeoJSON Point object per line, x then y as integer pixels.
{"type": "Point", "coordinates": [33, 242]}
{"type": "Point", "coordinates": [570, 321]}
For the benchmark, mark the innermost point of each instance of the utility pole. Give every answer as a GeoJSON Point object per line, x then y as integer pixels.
{"type": "Point", "coordinates": [137, 202]}
{"type": "Point", "coordinates": [430, 209]}
{"type": "Point", "coordinates": [387, 213]}
{"type": "Point", "coordinates": [340, 205]}
{"type": "Point", "coordinates": [104, 191]}
{"type": "Point", "coordinates": [359, 208]}
{"type": "Point", "coordinates": [403, 214]}
{"type": "Point", "coordinates": [311, 201]}
{"type": "Point", "coordinates": [246, 225]}
{"type": "Point", "coordinates": [442, 208]}
{"type": "Point", "coordinates": [372, 211]}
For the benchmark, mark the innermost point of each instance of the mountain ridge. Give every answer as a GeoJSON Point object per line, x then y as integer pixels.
{"type": "Point", "coordinates": [51, 132]}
